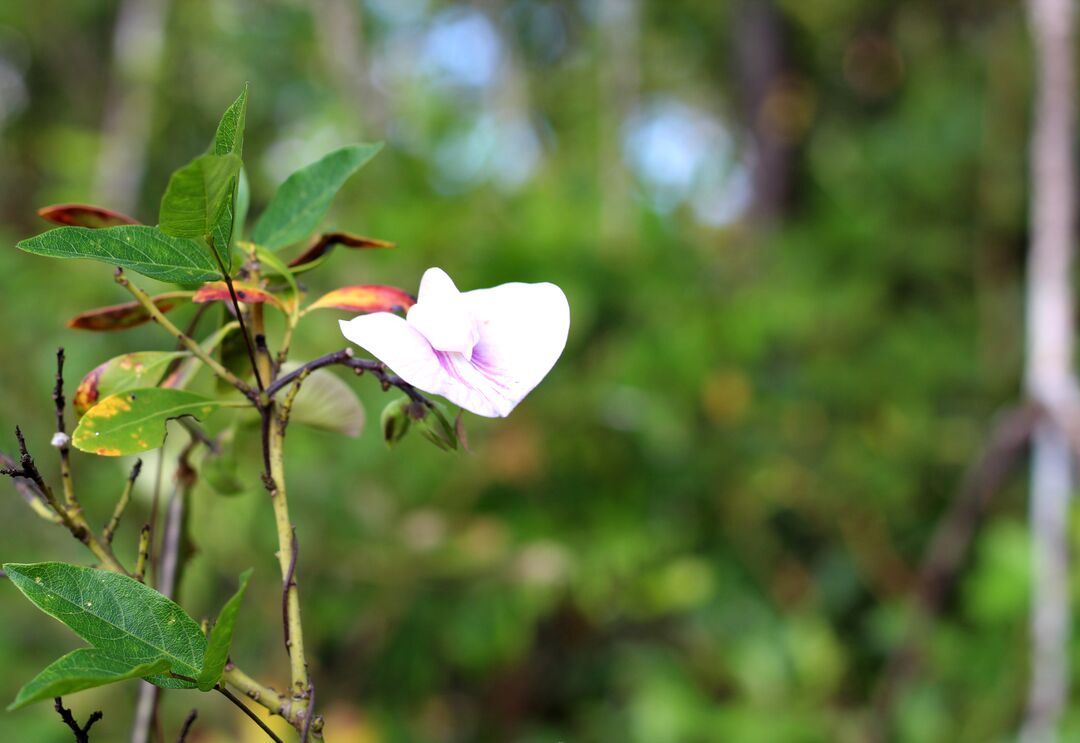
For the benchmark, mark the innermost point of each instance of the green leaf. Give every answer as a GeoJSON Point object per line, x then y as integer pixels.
{"type": "Point", "coordinates": [198, 201]}
{"type": "Point", "coordinates": [134, 421]}
{"type": "Point", "coordinates": [229, 138]}
{"type": "Point", "coordinates": [81, 669]}
{"type": "Point", "coordinates": [302, 200]}
{"type": "Point", "coordinates": [122, 373]}
{"type": "Point", "coordinates": [275, 264]}
{"type": "Point", "coordinates": [115, 614]}
{"type": "Point", "coordinates": [146, 250]}
{"type": "Point", "coordinates": [326, 402]}
{"type": "Point", "coordinates": [217, 650]}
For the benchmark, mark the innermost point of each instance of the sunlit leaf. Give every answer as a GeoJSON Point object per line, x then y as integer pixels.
{"type": "Point", "coordinates": [146, 250]}
{"type": "Point", "coordinates": [134, 421]}
{"type": "Point", "coordinates": [302, 200]}
{"type": "Point", "coordinates": [81, 669]}
{"type": "Point", "coordinates": [115, 614]}
{"type": "Point", "coordinates": [217, 649]}
{"type": "Point", "coordinates": [365, 298]}
{"type": "Point", "coordinates": [218, 291]}
{"type": "Point", "coordinates": [325, 242]}
{"type": "Point", "coordinates": [198, 202]}
{"type": "Point", "coordinates": [229, 137]}
{"type": "Point", "coordinates": [127, 315]}
{"type": "Point", "coordinates": [128, 372]}
{"type": "Point", "coordinates": [84, 215]}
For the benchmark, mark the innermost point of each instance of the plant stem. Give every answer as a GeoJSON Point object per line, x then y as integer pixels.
{"type": "Point", "coordinates": [73, 520]}
{"type": "Point", "coordinates": [70, 501]}
{"type": "Point", "coordinates": [275, 484]}
{"type": "Point", "coordinates": [264, 363]}
{"type": "Point", "coordinates": [125, 497]}
{"type": "Point", "coordinates": [345, 357]}
{"type": "Point", "coordinates": [232, 698]}
{"type": "Point", "coordinates": [239, 313]}
{"type": "Point", "coordinates": [197, 350]}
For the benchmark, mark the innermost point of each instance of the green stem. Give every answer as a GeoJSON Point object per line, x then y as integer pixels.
{"type": "Point", "coordinates": [197, 350]}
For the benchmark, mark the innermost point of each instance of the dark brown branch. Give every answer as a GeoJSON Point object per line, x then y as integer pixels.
{"type": "Point", "coordinates": [82, 733]}
{"type": "Point", "coordinates": [239, 314]}
{"type": "Point", "coordinates": [345, 357]}
{"type": "Point", "coordinates": [187, 725]}
{"type": "Point", "coordinates": [244, 708]}
{"type": "Point", "coordinates": [28, 470]}
{"type": "Point", "coordinates": [58, 392]}
{"type": "Point", "coordinates": [309, 712]}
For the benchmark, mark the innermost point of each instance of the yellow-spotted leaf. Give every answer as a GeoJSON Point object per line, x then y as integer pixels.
{"type": "Point", "coordinates": [134, 421]}
{"type": "Point", "coordinates": [122, 373]}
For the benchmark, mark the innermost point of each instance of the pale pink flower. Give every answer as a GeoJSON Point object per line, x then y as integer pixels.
{"type": "Point", "coordinates": [483, 350]}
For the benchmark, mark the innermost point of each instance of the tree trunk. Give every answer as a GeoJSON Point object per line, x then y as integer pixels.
{"type": "Point", "coordinates": [1048, 373]}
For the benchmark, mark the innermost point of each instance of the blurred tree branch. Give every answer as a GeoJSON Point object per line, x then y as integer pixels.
{"type": "Point", "coordinates": [1048, 376]}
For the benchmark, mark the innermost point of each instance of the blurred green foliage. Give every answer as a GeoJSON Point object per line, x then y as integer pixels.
{"type": "Point", "coordinates": [705, 524]}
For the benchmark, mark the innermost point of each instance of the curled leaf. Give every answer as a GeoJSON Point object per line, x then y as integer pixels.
{"type": "Point", "coordinates": [365, 298]}
{"type": "Point", "coordinates": [325, 242]}
{"type": "Point", "coordinates": [127, 315]}
{"type": "Point", "coordinates": [218, 291]}
{"type": "Point", "coordinates": [84, 215]}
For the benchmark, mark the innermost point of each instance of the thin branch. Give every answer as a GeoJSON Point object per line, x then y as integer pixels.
{"type": "Point", "coordinates": [72, 520]}
{"type": "Point", "coordinates": [82, 733]}
{"type": "Point", "coordinates": [1001, 455]}
{"type": "Point", "coordinates": [28, 491]}
{"type": "Point", "coordinates": [346, 357]}
{"type": "Point", "coordinates": [309, 715]}
{"type": "Point", "coordinates": [194, 713]}
{"type": "Point", "coordinates": [144, 553]}
{"type": "Point", "coordinates": [239, 314]}
{"type": "Point", "coordinates": [109, 531]}
{"type": "Point", "coordinates": [62, 441]}
{"type": "Point", "coordinates": [197, 350]}
{"type": "Point", "coordinates": [232, 698]}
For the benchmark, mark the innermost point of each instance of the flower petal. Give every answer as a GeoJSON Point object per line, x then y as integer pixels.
{"type": "Point", "coordinates": [523, 330]}
{"type": "Point", "coordinates": [442, 316]}
{"type": "Point", "coordinates": [390, 339]}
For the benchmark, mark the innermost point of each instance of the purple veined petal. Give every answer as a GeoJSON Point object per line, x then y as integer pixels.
{"type": "Point", "coordinates": [442, 315]}
{"type": "Point", "coordinates": [523, 331]}
{"type": "Point", "coordinates": [392, 341]}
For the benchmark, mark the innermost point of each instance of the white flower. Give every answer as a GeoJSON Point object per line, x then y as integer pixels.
{"type": "Point", "coordinates": [484, 350]}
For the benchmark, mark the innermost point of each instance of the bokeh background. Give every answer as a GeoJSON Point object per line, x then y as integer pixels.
{"type": "Point", "coordinates": [792, 236]}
